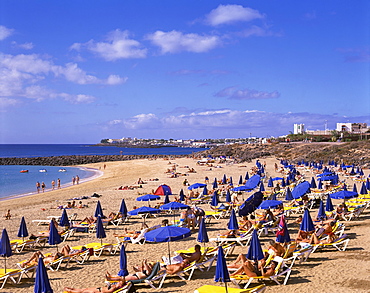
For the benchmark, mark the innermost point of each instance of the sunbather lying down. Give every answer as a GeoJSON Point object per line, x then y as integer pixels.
{"type": "Point", "coordinates": [109, 289]}
{"type": "Point", "coordinates": [141, 272]}
{"type": "Point", "coordinates": [250, 270]}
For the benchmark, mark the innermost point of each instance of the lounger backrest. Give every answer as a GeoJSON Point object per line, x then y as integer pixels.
{"type": "Point", "coordinates": [340, 238]}
{"type": "Point", "coordinates": [155, 270]}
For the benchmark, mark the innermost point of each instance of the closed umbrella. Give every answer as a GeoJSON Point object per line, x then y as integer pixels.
{"type": "Point", "coordinates": [123, 209]}
{"type": "Point", "coordinates": [228, 196]}
{"type": "Point", "coordinates": [262, 187]}
{"type": "Point", "coordinates": [282, 234]}
{"type": "Point", "coordinates": [205, 190]}
{"type": "Point", "coordinates": [166, 199]}
{"type": "Point", "coordinates": [288, 195]}
{"type": "Point", "coordinates": [231, 181]}
{"type": "Point", "coordinates": [214, 201]}
{"type": "Point", "coordinates": [42, 283]}
{"type": "Point", "coordinates": [64, 221]}
{"type": "Point", "coordinates": [182, 195]}
{"type": "Point", "coordinates": [233, 222]}
{"type": "Point", "coordinates": [283, 182]}
{"type": "Point", "coordinates": [313, 183]}
{"type": "Point", "coordinates": [329, 205]}
{"type": "Point", "coordinates": [363, 190]}
{"type": "Point", "coordinates": [202, 234]}
{"type": "Point", "coordinates": [367, 184]}
{"type": "Point", "coordinates": [5, 249]}
{"type": "Point", "coordinates": [123, 272]}
{"type": "Point", "coordinates": [246, 176]}
{"type": "Point", "coordinates": [23, 232]}
{"type": "Point", "coordinates": [270, 183]}
{"type": "Point", "coordinates": [222, 273]}
{"type": "Point", "coordinates": [255, 252]}
{"type": "Point", "coordinates": [98, 210]}
{"type": "Point", "coordinates": [224, 180]}
{"type": "Point", "coordinates": [54, 237]}
{"type": "Point", "coordinates": [307, 224]}
{"type": "Point", "coordinates": [100, 232]}
{"type": "Point", "coordinates": [321, 212]}
{"type": "Point", "coordinates": [354, 188]}
{"type": "Point", "coordinates": [240, 180]}
{"type": "Point", "coordinates": [148, 197]}
{"type": "Point", "coordinates": [215, 185]}
{"type": "Point", "coordinates": [320, 185]}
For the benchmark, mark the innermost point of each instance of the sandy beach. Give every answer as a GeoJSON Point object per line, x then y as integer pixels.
{"type": "Point", "coordinates": [325, 271]}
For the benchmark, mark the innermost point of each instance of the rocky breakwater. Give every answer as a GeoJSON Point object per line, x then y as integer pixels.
{"type": "Point", "coordinates": [77, 160]}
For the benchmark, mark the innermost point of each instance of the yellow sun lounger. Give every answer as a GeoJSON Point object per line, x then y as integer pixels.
{"type": "Point", "coordinates": [219, 289]}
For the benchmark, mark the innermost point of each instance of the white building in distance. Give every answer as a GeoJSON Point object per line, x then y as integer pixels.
{"type": "Point", "coordinates": [299, 129]}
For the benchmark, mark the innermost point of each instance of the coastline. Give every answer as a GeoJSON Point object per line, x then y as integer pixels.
{"type": "Point", "coordinates": [320, 272]}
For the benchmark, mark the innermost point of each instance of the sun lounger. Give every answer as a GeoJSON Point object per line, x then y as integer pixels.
{"type": "Point", "coordinates": [219, 289]}
{"type": "Point", "coordinates": [19, 244]}
{"type": "Point", "coordinates": [14, 275]}
{"type": "Point", "coordinates": [154, 276]}
{"type": "Point", "coordinates": [340, 244]}
{"type": "Point", "coordinates": [243, 240]}
{"type": "Point", "coordinates": [100, 248]}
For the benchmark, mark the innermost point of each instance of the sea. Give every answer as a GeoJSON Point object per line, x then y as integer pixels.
{"type": "Point", "coordinates": [14, 183]}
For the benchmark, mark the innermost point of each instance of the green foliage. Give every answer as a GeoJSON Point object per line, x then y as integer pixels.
{"type": "Point", "coordinates": [105, 140]}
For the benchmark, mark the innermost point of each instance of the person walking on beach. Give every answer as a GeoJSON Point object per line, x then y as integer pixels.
{"type": "Point", "coordinates": [73, 180]}
{"type": "Point", "coordinates": [43, 186]}
{"type": "Point", "coordinates": [58, 183]}
{"type": "Point", "coordinates": [38, 186]}
{"type": "Point", "coordinates": [53, 184]}
{"type": "Point", "coordinates": [77, 179]}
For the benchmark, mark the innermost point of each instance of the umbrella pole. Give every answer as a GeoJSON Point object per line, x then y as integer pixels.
{"type": "Point", "coordinates": [169, 253]}
{"type": "Point", "coordinates": [5, 264]}
{"type": "Point", "coordinates": [226, 287]}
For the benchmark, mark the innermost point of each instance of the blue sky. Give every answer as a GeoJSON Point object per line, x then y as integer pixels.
{"type": "Point", "coordinates": [80, 71]}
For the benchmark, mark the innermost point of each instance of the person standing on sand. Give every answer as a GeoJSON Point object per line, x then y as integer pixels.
{"type": "Point", "coordinates": [53, 184]}
{"type": "Point", "coordinates": [73, 180]}
{"type": "Point", "coordinates": [38, 186]}
{"type": "Point", "coordinates": [77, 179]}
{"type": "Point", "coordinates": [58, 183]}
{"type": "Point", "coordinates": [43, 186]}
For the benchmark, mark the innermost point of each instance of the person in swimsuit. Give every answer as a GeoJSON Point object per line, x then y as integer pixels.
{"type": "Point", "coordinates": [251, 271]}
{"type": "Point", "coordinates": [141, 272]}
{"type": "Point", "coordinates": [109, 289]}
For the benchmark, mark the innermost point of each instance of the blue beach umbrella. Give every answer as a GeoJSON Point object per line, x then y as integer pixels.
{"type": "Point", "coordinates": [222, 273]}
{"type": "Point", "coordinates": [202, 234]}
{"type": "Point", "coordinates": [148, 197]}
{"type": "Point", "coordinates": [98, 210]}
{"type": "Point", "coordinates": [196, 185]}
{"type": "Point", "coordinates": [320, 185]}
{"type": "Point", "coordinates": [307, 224]}
{"type": "Point", "coordinates": [363, 190]}
{"type": "Point", "coordinates": [288, 195]}
{"type": "Point", "coordinates": [255, 251]}
{"type": "Point", "coordinates": [253, 181]}
{"type": "Point", "coordinates": [214, 201]}
{"type": "Point", "coordinates": [354, 188]}
{"type": "Point", "coordinates": [367, 184]}
{"type": "Point", "coordinates": [64, 219]}
{"type": "Point", "coordinates": [233, 222]}
{"type": "Point", "coordinates": [123, 272]}
{"type": "Point", "coordinates": [231, 181]}
{"type": "Point", "coordinates": [251, 204]}
{"type": "Point", "coordinates": [269, 204]}
{"type": "Point", "coordinates": [262, 187]}
{"type": "Point", "coordinates": [42, 283]}
{"type": "Point", "coordinates": [23, 232]}
{"type": "Point", "coordinates": [313, 183]}
{"type": "Point", "coordinates": [301, 189]}
{"type": "Point", "coordinates": [205, 190]}
{"type": "Point", "coordinates": [5, 249]}
{"type": "Point", "coordinates": [54, 237]}
{"type": "Point", "coordinates": [215, 185]}
{"type": "Point", "coordinates": [224, 180]}
{"type": "Point", "coordinates": [246, 176]}
{"type": "Point", "coordinates": [123, 209]}
{"type": "Point", "coordinates": [283, 182]}
{"type": "Point", "coordinates": [174, 205]}
{"type": "Point", "coordinates": [143, 210]}
{"type": "Point", "coordinates": [240, 180]}
{"type": "Point", "coordinates": [228, 196]}
{"type": "Point", "coordinates": [273, 196]}
{"type": "Point", "coordinates": [343, 194]}
{"type": "Point", "coordinates": [100, 232]}
{"type": "Point", "coordinates": [182, 195]}
{"type": "Point", "coordinates": [270, 183]}
{"type": "Point", "coordinates": [329, 205]}
{"type": "Point", "coordinates": [321, 212]}
{"type": "Point", "coordinates": [166, 199]}
{"type": "Point", "coordinates": [282, 234]}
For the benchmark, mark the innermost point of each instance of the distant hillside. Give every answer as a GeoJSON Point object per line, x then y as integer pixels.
{"type": "Point", "coordinates": [350, 152]}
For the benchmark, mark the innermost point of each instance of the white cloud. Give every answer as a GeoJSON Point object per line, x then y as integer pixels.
{"type": "Point", "coordinates": [25, 46]}
{"type": "Point", "coordinates": [227, 14]}
{"type": "Point", "coordinates": [78, 99]}
{"type": "Point", "coordinates": [118, 45]}
{"type": "Point", "coordinates": [5, 32]}
{"type": "Point", "coordinates": [246, 94]}
{"type": "Point", "coordinates": [175, 42]}
{"type": "Point", "coordinates": [6, 102]}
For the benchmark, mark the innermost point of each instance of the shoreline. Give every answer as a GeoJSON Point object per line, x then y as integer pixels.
{"type": "Point", "coordinates": [96, 174]}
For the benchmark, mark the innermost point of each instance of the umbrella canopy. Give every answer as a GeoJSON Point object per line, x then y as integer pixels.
{"type": "Point", "coordinates": [148, 197]}
{"type": "Point", "coordinates": [363, 189]}
{"type": "Point", "coordinates": [205, 190]}
{"type": "Point", "coordinates": [288, 195]}
{"type": "Point", "coordinates": [231, 181]}
{"type": "Point", "coordinates": [215, 185]}
{"type": "Point", "coordinates": [202, 234]}
{"type": "Point", "coordinates": [163, 190]}
{"type": "Point", "coordinates": [143, 210]}
{"type": "Point", "coordinates": [123, 208]}
{"type": "Point", "coordinates": [343, 194]}
{"type": "Point", "coordinates": [313, 183]}
{"type": "Point", "coordinates": [166, 199]}
{"type": "Point", "coordinates": [174, 205]}
{"type": "Point", "coordinates": [222, 273]}
{"type": "Point", "coordinates": [262, 187]}
{"type": "Point", "coordinates": [240, 180]}
{"type": "Point", "coordinates": [255, 250]}
{"type": "Point", "coordinates": [354, 188]}
{"type": "Point", "coordinates": [182, 195]}
{"type": "Point", "coordinates": [233, 222]}
{"type": "Point", "coordinates": [42, 284]}
{"type": "Point", "coordinates": [282, 234]}
{"type": "Point", "coordinates": [228, 196]}
{"type": "Point", "coordinates": [123, 272]}
{"type": "Point", "coordinates": [253, 182]}
{"type": "Point", "coordinates": [64, 221]}
{"type": "Point", "coordinates": [214, 201]}
{"type": "Point", "coordinates": [167, 233]}
{"type": "Point", "coordinates": [23, 232]}
{"type": "Point", "coordinates": [98, 210]}
{"type": "Point", "coordinates": [246, 176]}
{"type": "Point", "coordinates": [270, 183]}
{"type": "Point", "coordinates": [329, 205]}
{"type": "Point", "coordinates": [283, 182]}
{"type": "Point", "coordinates": [100, 232]}
{"type": "Point", "coordinates": [301, 189]}
{"type": "Point", "coordinates": [196, 185]}
{"type": "Point", "coordinates": [5, 249]}
{"type": "Point", "coordinates": [321, 215]}
{"type": "Point", "coordinates": [224, 180]}
{"type": "Point", "coordinates": [269, 204]}
{"type": "Point", "coordinates": [251, 204]}
{"type": "Point", "coordinates": [54, 237]}
{"type": "Point", "coordinates": [320, 185]}
{"type": "Point", "coordinates": [307, 224]}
